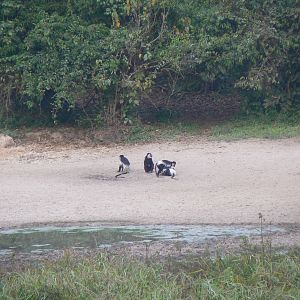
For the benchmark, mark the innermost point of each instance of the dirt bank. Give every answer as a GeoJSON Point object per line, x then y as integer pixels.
{"type": "Point", "coordinates": [217, 182]}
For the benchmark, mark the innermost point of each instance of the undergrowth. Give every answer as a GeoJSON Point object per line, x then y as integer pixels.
{"type": "Point", "coordinates": [158, 132]}
{"type": "Point", "coordinates": [238, 128]}
{"type": "Point", "coordinates": [262, 126]}
{"type": "Point", "coordinates": [110, 277]}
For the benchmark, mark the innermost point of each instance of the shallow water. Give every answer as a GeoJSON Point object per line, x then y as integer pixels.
{"type": "Point", "coordinates": [44, 239]}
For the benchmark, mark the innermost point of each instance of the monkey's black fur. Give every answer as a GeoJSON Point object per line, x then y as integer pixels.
{"type": "Point", "coordinates": [162, 166]}
{"type": "Point", "coordinates": [124, 165]}
{"type": "Point", "coordinates": [124, 162]}
{"type": "Point", "coordinates": [148, 163]}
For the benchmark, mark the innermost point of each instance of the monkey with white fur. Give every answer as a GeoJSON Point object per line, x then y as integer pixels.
{"type": "Point", "coordinates": [123, 165]}
{"type": "Point", "coordinates": [166, 168]}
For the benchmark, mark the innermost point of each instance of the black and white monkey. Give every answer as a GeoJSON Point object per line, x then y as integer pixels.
{"type": "Point", "coordinates": [123, 165]}
{"type": "Point", "coordinates": [166, 168]}
{"type": "Point", "coordinates": [148, 163]}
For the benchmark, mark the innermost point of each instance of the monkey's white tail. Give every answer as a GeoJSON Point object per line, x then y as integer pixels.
{"type": "Point", "coordinates": [155, 169]}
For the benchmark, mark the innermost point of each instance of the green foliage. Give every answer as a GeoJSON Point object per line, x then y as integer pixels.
{"type": "Point", "coordinates": [59, 61]}
{"type": "Point", "coordinates": [67, 59]}
{"type": "Point", "coordinates": [108, 277]}
{"type": "Point", "coordinates": [274, 72]}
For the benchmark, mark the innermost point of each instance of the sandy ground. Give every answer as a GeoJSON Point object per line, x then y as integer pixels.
{"type": "Point", "coordinates": [217, 182]}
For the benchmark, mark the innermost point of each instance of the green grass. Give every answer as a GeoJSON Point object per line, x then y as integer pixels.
{"type": "Point", "coordinates": [234, 129]}
{"type": "Point", "coordinates": [256, 127]}
{"type": "Point", "coordinates": [10, 132]}
{"type": "Point", "coordinates": [238, 128]}
{"type": "Point", "coordinates": [158, 132]}
{"type": "Point", "coordinates": [103, 277]}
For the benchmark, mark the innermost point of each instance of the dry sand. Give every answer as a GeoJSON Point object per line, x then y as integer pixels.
{"type": "Point", "coordinates": [217, 182]}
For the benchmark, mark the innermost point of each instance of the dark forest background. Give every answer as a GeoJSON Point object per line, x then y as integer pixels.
{"type": "Point", "coordinates": [113, 61]}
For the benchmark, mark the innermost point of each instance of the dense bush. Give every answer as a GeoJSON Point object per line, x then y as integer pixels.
{"type": "Point", "coordinates": [61, 60]}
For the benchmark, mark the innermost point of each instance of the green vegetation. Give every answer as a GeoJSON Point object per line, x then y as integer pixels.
{"type": "Point", "coordinates": [238, 128]}
{"type": "Point", "coordinates": [64, 61]}
{"type": "Point", "coordinates": [108, 277]}
{"type": "Point", "coordinates": [159, 132]}
{"type": "Point", "coordinates": [256, 127]}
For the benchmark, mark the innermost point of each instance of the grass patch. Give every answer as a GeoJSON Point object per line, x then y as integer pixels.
{"type": "Point", "coordinates": [234, 129]}
{"type": "Point", "coordinates": [242, 127]}
{"type": "Point", "coordinates": [256, 127]}
{"type": "Point", "coordinates": [110, 277]}
{"type": "Point", "coordinates": [10, 132]}
{"type": "Point", "coordinates": [162, 132]}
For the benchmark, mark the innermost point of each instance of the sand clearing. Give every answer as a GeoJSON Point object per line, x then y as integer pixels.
{"type": "Point", "coordinates": [217, 182]}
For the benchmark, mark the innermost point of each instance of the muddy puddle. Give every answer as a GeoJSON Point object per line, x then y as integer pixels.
{"type": "Point", "coordinates": [45, 239]}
